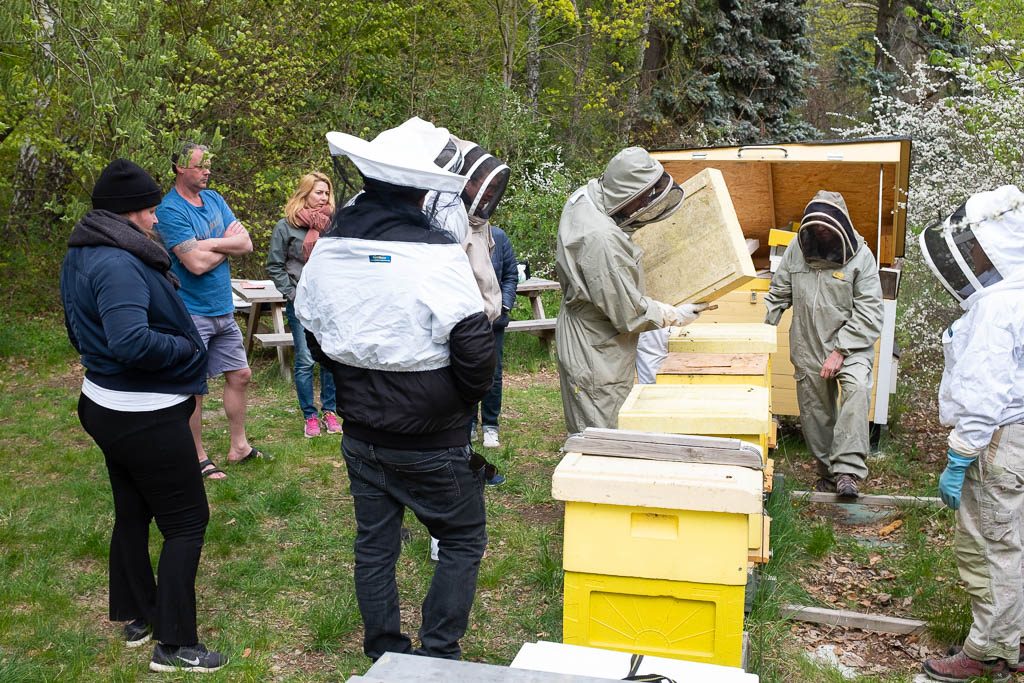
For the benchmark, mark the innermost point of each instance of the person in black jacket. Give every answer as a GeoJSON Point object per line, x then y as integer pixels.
{"type": "Point", "coordinates": [144, 363]}
{"type": "Point", "coordinates": [391, 307]}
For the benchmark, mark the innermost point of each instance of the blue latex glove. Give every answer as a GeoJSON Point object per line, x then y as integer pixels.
{"type": "Point", "coordinates": [951, 481]}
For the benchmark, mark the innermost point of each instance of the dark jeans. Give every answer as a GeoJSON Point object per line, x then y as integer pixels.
{"type": "Point", "coordinates": [154, 473]}
{"type": "Point", "coordinates": [490, 404]}
{"type": "Point", "coordinates": [447, 497]}
{"type": "Point", "coordinates": [303, 371]}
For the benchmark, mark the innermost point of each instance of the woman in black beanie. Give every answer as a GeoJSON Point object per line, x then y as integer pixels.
{"type": "Point", "coordinates": [144, 362]}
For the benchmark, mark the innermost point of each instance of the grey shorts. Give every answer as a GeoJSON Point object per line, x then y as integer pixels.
{"type": "Point", "coordinates": [223, 339]}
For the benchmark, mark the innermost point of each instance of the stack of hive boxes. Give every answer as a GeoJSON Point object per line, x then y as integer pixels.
{"type": "Point", "coordinates": [655, 552]}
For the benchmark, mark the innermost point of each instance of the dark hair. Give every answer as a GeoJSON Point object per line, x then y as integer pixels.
{"type": "Point", "coordinates": [184, 151]}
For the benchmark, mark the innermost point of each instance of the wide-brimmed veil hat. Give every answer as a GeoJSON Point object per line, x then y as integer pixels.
{"type": "Point", "coordinates": [403, 157]}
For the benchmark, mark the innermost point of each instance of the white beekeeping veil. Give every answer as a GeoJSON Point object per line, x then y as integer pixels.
{"type": "Point", "coordinates": [980, 244]}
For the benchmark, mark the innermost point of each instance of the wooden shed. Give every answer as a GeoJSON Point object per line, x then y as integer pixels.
{"type": "Point", "coordinates": [770, 185]}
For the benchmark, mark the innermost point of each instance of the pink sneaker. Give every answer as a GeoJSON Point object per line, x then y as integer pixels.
{"type": "Point", "coordinates": [331, 422]}
{"type": "Point", "coordinates": [312, 427]}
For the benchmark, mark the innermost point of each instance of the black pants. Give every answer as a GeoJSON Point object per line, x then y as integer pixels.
{"type": "Point", "coordinates": [447, 496]}
{"type": "Point", "coordinates": [154, 473]}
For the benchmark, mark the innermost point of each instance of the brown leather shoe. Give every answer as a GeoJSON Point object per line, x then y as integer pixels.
{"type": "Point", "coordinates": [1018, 668]}
{"type": "Point", "coordinates": [846, 486]}
{"type": "Point", "coordinates": [960, 668]}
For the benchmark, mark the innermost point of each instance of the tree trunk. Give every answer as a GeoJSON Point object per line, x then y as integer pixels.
{"type": "Point", "coordinates": [533, 59]}
{"type": "Point", "coordinates": [584, 46]}
{"type": "Point", "coordinates": [633, 101]}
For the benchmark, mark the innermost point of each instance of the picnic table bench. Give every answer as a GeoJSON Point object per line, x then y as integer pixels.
{"type": "Point", "coordinates": [261, 295]}
{"type": "Point", "coordinates": [540, 325]}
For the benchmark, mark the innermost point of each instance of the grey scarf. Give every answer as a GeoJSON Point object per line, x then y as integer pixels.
{"type": "Point", "coordinates": [102, 228]}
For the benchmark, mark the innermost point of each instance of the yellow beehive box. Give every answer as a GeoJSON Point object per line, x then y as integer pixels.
{"type": "Point", "coordinates": [633, 510]}
{"type": "Point", "coordinates": [716, 368]}
{"type": "Point", "coordinates": [736, 411]}
{"type": "Point", "coordinates": [724, 338]}
{"type": "Point", "coordinates": [780, 238]}
{"type": "Point", "coordinates": [698, 253]}
{"type": "Point", "coordinates": [677, 619]}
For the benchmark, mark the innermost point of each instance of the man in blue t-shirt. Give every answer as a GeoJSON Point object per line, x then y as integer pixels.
{"type": "Point", "coordinates": [201, 232]}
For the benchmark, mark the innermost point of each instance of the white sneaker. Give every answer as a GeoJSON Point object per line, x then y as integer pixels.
{"type": "Point", "coordinates": [434, 544]}
{"type": "Point", "coordinates": [491, 437]}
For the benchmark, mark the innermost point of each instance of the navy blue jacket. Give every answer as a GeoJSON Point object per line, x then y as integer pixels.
{"type": "Point", "coordinates": [129, 324]}
{"type": "Point", "coordinates": [503, 258]}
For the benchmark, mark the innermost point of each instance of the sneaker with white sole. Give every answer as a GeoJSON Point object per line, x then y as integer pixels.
{"type": "Point", "coordinates": [331, 422]}
{"type": "Point", "coordinates": [137, 632]}
{"type": "Point", "coordinates": [312, 427]}
{"type": "Point", "coordinates": [491, 437]}
{"type": "Point", "coordinates": [168, 659]}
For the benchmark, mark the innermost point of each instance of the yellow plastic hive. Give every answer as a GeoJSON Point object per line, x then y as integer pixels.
{"type": "Point", "coordinates": [724, 338]}
{"type": "Point", "coordinates": [657, 543]}
{"type": "Point", "coordinates": [736, 411]}
{"type": "Point", "coordinates": [716, 368]}
{"type": "Point", "coordinates": [677, 619]}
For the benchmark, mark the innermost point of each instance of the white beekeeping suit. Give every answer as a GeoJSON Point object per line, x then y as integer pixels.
{"type": "Point", "coordinates": [830, 279]}
{"type": "Point", "coordinates": [978, 255]}
{"type": "Point", "coordinates": [604, 308]}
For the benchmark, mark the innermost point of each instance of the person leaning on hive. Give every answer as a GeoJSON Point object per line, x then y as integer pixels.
{"type": "Point", "coordinates": [144, 363]}
{"type": "Point", "coordinates": [306, 215]}
{"type": "Point", "coordinates": [978, 256]}
{"type": "Point", "coordinates": [390, 305]}
{"type": "Point", "coordinates": [829, 277]}
{"type": "Point", "coordinates": [604, 308]}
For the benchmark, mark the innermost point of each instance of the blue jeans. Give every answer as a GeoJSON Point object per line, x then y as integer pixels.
{"type": "Point", "coordinates": [447, 496]}
{"type": "Point", "coordinates": [490, 404]}
{"type": "Point", "coordinates": [304, 371]}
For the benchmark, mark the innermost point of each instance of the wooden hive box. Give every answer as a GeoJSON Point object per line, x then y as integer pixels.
{"type": "Point", "coordinates": [721, 337]}
{"type": "Point", "coordinates": [698, 253]}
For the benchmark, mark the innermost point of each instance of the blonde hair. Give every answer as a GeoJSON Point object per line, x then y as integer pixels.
{"type": "Point", "coordinates": [297, 202]}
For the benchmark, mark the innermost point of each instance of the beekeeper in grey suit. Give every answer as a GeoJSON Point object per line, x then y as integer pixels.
{"type": "Point", "coordinates": [604, 308]}
{"type": "Point", "coordinates": [829, 277]}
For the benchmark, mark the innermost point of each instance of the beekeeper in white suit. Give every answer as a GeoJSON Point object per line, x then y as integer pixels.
{"type": "Point", "coordinates": [978, 255]}
{"type": "Point", "coordinates": [604, 308]}
{"type": "Point", "coordinates": [829, 277]}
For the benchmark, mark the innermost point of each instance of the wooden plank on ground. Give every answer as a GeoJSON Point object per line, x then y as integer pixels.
{"type": "Point", "coordinates": [878, 623]}
{"type": "Point", "coordinates": [867, 499]}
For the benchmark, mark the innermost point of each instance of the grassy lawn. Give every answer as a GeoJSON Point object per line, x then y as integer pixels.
{"type": "Point", "coordinates": [275, 582]}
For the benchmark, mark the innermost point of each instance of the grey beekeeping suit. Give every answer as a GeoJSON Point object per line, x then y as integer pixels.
{"type": "Point", "coordinates": [604, 308]}
{"type": "Point", "coordinates": [836, 298]}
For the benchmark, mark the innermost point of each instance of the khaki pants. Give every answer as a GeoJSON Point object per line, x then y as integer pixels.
{"type": "Point", "coordinates": [988, 546]}
{"type": "Point", "coordinates": [834, 422]}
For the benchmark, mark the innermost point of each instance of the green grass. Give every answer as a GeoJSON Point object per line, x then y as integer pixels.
{"type": "Point", "coordinates": [275, 583]}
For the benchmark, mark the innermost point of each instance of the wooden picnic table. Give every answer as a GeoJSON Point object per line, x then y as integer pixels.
{"type": "Point", "coordinates": [540, 325]}
{"type": "Point", "coordinates": [261, 295]}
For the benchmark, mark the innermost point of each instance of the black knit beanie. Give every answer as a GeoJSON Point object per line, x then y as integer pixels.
{"type": "Point", "coordinates": [123, 187]}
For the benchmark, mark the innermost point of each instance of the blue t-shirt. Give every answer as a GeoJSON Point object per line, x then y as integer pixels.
{"type": "Point", "coordinates": [208, 294]}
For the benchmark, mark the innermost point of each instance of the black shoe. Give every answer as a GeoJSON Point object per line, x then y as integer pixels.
{"type": "Point", "coordinates": [167, 659]}
{"type": "Point", "coordinates": [846, 486]}
{"type": "Point", "coordinates": [136, 633]}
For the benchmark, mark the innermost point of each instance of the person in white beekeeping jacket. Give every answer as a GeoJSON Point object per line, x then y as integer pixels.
{"type": "Point", "coordinates": [978, 255]}
{"type": "Point", "coordinates": [830, 279]}
{"type": "Point", "coordinates": [604, 308]}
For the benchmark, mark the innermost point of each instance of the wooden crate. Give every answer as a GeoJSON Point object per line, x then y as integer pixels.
{"type": "Point", "coordinates": [699, 253]}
